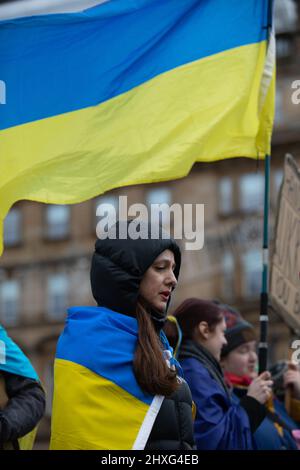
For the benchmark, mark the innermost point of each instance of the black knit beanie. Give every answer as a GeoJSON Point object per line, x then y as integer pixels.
{"type": "Point", "coordinates": [238, 331]}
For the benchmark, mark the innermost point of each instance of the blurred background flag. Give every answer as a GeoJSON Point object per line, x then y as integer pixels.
{"type": "Point", "coordinates": [103, 94]}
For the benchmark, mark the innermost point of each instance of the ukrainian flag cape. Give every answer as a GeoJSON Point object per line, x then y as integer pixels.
{"type": "Point", "coordinates": [14, 361]}
{"type": "Point", "coordinates": [96, 95]}
{"type": "Point", "coordinates": [98, 403]}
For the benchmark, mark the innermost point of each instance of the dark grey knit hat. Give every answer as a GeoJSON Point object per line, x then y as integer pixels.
{"type": "Point", "coordinates": [238, 331]}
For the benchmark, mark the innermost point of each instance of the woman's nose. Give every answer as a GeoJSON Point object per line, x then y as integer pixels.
{"type": "Point", "coordinates": [253, 356]}
{"type": "Point", "coordinates": [172, 279]}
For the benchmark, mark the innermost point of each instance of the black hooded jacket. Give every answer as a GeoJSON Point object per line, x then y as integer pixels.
{"type": "Point", "coordinates": [118, 266]}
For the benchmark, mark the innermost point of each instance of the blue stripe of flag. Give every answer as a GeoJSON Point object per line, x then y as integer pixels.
{"type": "Point", "coordinates": [59, 63]}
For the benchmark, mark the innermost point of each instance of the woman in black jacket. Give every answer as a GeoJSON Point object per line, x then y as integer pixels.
{"type": "Point", "coordinates": [141, 401]}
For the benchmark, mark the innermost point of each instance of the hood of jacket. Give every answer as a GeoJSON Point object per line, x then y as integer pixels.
{"type": "Point", "coordinates": [119, 264]}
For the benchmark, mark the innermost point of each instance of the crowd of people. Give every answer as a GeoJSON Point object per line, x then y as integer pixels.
{"type": "Point", "coordinates": [129, 374]}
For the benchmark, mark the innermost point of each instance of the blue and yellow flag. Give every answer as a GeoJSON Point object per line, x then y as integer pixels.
{"type": "Point", "coordinates": [96, 95]}
{"type": "Point", "coordinates": [97, 402]}
{"type": "Point", "coordinates": [14, 361]}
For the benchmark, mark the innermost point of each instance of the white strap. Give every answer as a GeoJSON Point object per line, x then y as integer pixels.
{"type": "Point", "coordinates": [148, 422]}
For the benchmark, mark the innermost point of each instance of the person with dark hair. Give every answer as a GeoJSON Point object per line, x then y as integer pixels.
{"type": "Point", "coordinates": [116, 384]}
{"type": "Point", "coordinates": [220, 423]}
{"type": "Point", "coordinates": [239, 361]}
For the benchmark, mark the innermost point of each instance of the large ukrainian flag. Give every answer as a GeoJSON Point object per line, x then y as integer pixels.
{"type": "Point", "coordinates": [98, 403]}
{"type": "Point", "coordinates": [100, 94]}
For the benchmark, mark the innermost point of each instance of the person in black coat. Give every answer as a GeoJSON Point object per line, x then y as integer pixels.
{"type": "Point", "coordinates": [23, 405]}
{"type": "Point", "coordinates": [22, 399]}
{"type": "Point", "coordinates": [132, 280]}
{"type": "Point", "coordinates": [150, 268]}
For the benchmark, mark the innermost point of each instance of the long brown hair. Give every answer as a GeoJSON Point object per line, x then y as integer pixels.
{"type": "Point", "coordinates": [151, 370]}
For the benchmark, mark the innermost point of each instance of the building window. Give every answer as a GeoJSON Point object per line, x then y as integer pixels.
{"type": "Point", "coordinates": [58, 294]}
{"type": "Point", "coordinates": [252, 192]}
{"type": "Point", "coordinates": [12, 228]}
{"type": "Point", "coordinates": [159, 196]}
{"type": "Point", "coordinates": [228, 276]}
{"type": "Point", "coordinates": [285, 16]}
{"type": "Point", "coordinates": [226, 196]}
{"type": "Point", "coordinates": [58, 222]}
{"type": "Point", "coordinates": [252, 273]}
{"type": "Point", "coordinates": [9, 302]}
{"type": "Point", "coordinates": [284, 47]}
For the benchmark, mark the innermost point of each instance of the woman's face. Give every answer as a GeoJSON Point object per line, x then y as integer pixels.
{"type": "Point", "coordinates": [242, 360]}
{"type": "Point", "coordinates": [159, 281]}
{"type": "Point", "coordinates": [215, 340]}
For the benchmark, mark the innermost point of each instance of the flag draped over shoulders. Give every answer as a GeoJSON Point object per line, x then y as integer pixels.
{"type": "Point", "coordinates": [100, 94]}
{"type": "Point", "coordinates": [13, 360]}
{"type": "Point", "coordinates": [98, 403]}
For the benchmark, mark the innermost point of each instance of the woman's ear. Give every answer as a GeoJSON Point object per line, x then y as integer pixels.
{"type": "Point", "coordinates": [203, 329]}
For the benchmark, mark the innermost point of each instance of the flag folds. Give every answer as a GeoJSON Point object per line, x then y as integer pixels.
{"type": "Point", "coordinates": [98, 403]}
{"type": "Point", "coordinates": [101, 94]}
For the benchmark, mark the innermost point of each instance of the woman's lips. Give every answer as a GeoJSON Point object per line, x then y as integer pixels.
{"type": "Point", "coordinates": [165, 295]}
